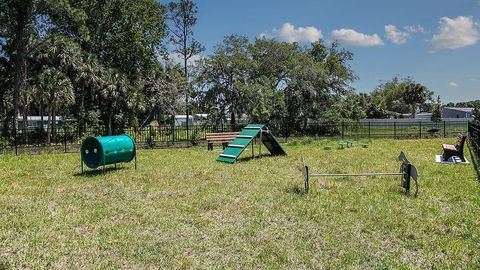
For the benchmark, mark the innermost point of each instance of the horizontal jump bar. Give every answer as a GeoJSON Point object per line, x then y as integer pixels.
{"type": "Point", "coordinates": [355, 174]}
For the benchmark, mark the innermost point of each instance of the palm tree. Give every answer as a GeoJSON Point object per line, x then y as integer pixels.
{"type": "Point", "coordinates": [113, 92]}
{"type": "Point", "coordinates": [89, 81]}
{"type": "Point", "coordinates": [415, 93]}
{"type": "Point", "coordinates": [58, 92]}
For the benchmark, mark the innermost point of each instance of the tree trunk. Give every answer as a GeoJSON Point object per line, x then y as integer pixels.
{"type": "Point", "coordinates": [186, 79]}
{"type": "Point", "coordinates": [20, 49]}
{"type": "Point", "coordinates": [414, 108]}
{"type": "Point", "coordinates": [25, 110]}
{"type": "Point", "coordinates": [41, 119]}
{"type": "Point", "coordinates": [232, 118]}
{"type": "Point", "coordinates": [54, 120]}
{"type": "Point", "coordinates": [3, 113]}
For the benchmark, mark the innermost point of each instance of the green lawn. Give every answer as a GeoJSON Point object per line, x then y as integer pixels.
{"type": "Point", "coordinates": [182, 209]}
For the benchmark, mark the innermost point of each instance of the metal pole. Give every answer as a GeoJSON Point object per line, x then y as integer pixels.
{"type": "Point", "coordinates": [394, 130]}
{"type": "Point", "coordinates": [150, 136]}
{"type": "Point", "coordinates": [253, 154]}
{"type": "Point", "coordinates": [369, 131]}
{"type": "Point", "coordinates": [420, 124]}
{"type": "Point", "coordinates": [65, 139]}
{"type": "Point", "coordinates": [103, 167]}
{"type": "Point", "coordinates": [444, 129]}
{"type": "Point", "coordinates": [306, 179]}
{"type": "Point", "coordinates": [260, 151]}
{"type": "Point", "coordinates": [353, 174]}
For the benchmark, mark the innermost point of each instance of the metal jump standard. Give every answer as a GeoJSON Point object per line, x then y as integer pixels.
{"type": "Point", "coordinates": [408, 172]}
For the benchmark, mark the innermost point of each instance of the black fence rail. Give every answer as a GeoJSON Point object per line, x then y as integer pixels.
{"type": "Point", "coordinates": [69, 139]}
{"type": "Point", "coordinates": [474, 143]}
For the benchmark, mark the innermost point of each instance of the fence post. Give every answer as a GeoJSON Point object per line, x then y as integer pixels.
{"type": "Point", "coordinates": [394, 130]}
{"type": "Point", "coordinates": [172, 126]}
{"type": "Point", "coordinates": [150, 136]}
{"type": "Point", "coordinates": [420, 126]}
{"type": "Point", "coordinates": [65, 139]}
{"type": "Point", "coordinates": [369, 131]}
{"type": "Point", "coordinates": [444, 129]}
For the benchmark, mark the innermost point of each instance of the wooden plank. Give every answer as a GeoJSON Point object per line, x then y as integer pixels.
{"type": "Point", "coordinates": [220, 139]}
{"type": "Point", "coordinates": [223, 133]}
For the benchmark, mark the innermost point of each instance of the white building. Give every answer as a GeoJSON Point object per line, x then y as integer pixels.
{"type": "Point", "coordinates": [181, 120]}
{"type": "Point", "coordinates": [35, 121]}
{"type": "Point", "coordinates": [453, 112]}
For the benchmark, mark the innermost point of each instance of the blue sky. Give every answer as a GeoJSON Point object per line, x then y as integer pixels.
{"type": "Point", "coordinates": [436, 41]}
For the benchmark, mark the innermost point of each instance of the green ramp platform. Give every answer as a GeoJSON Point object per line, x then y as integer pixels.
{"type": "Point", "coordinates": [246, 137]}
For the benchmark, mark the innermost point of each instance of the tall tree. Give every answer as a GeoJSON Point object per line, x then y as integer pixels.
{"type": "Point", "coordinates": [59, 93]}
{"type": "Point", "coordinates": [183, 17]}
{"type": "Point", "coordinates": [223, 74]}
{"type": "Point", "coordinates": [414, 94]}
{"type": "Point", "coordinates": [23, 25]}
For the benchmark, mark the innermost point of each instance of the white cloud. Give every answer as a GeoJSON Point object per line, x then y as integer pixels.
{"type": "Point", "coordinates": [453, 85]}
{"type": "Point", "coordinates": [415, 29]}
{"type": "Point", "coordinates": [354, 38]}
{"type": "Point", "coordinates": [395, 36]}
{"type": "Point", "coordinates": [455, 33]}
{"type": "Point", "coordinates": [290, 33]}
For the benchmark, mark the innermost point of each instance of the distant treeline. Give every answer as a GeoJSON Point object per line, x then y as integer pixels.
{"type": "Point", "coordinates": [131, 62]}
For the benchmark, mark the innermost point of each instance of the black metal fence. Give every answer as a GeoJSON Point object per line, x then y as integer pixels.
{"type": "Point", "coordinates": [68, 139]}
{"type": "Point", "coordinates": [474, 143]}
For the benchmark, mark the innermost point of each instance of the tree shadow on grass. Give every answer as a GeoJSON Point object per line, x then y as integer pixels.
{"type": "Point", "coordinates": [95, 172]}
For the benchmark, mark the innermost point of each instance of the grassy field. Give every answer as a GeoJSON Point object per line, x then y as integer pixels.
{"type": "Point", "coordinates": [181, 209]}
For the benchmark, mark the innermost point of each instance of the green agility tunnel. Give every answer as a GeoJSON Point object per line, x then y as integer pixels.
{"type": "Point", "coordinates": [105, 150]}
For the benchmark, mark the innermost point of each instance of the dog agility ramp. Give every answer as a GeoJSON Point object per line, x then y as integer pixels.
{"type": "Point", "coordinates": [246, 137]}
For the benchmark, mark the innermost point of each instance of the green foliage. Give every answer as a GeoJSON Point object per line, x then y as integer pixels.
{"type": "Point", "coordinates": [110, 52]}
{"type": "Point", "coordinates": [476, 114]}
{"type": "Point", "coordinates": [274, 81]}
{"type": "Point", "coordinates": [414, 94]}
{"type": "Point", "coordinates": [436, 113]}
{"type": "Point", "coordinates": [387, 98]}
{"type": "Point", "coordinates": [396, 96]}
{"type": "Point", "coordinates": [183, 17]}
{"type": "Point", "coordinates": [466, 104]}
